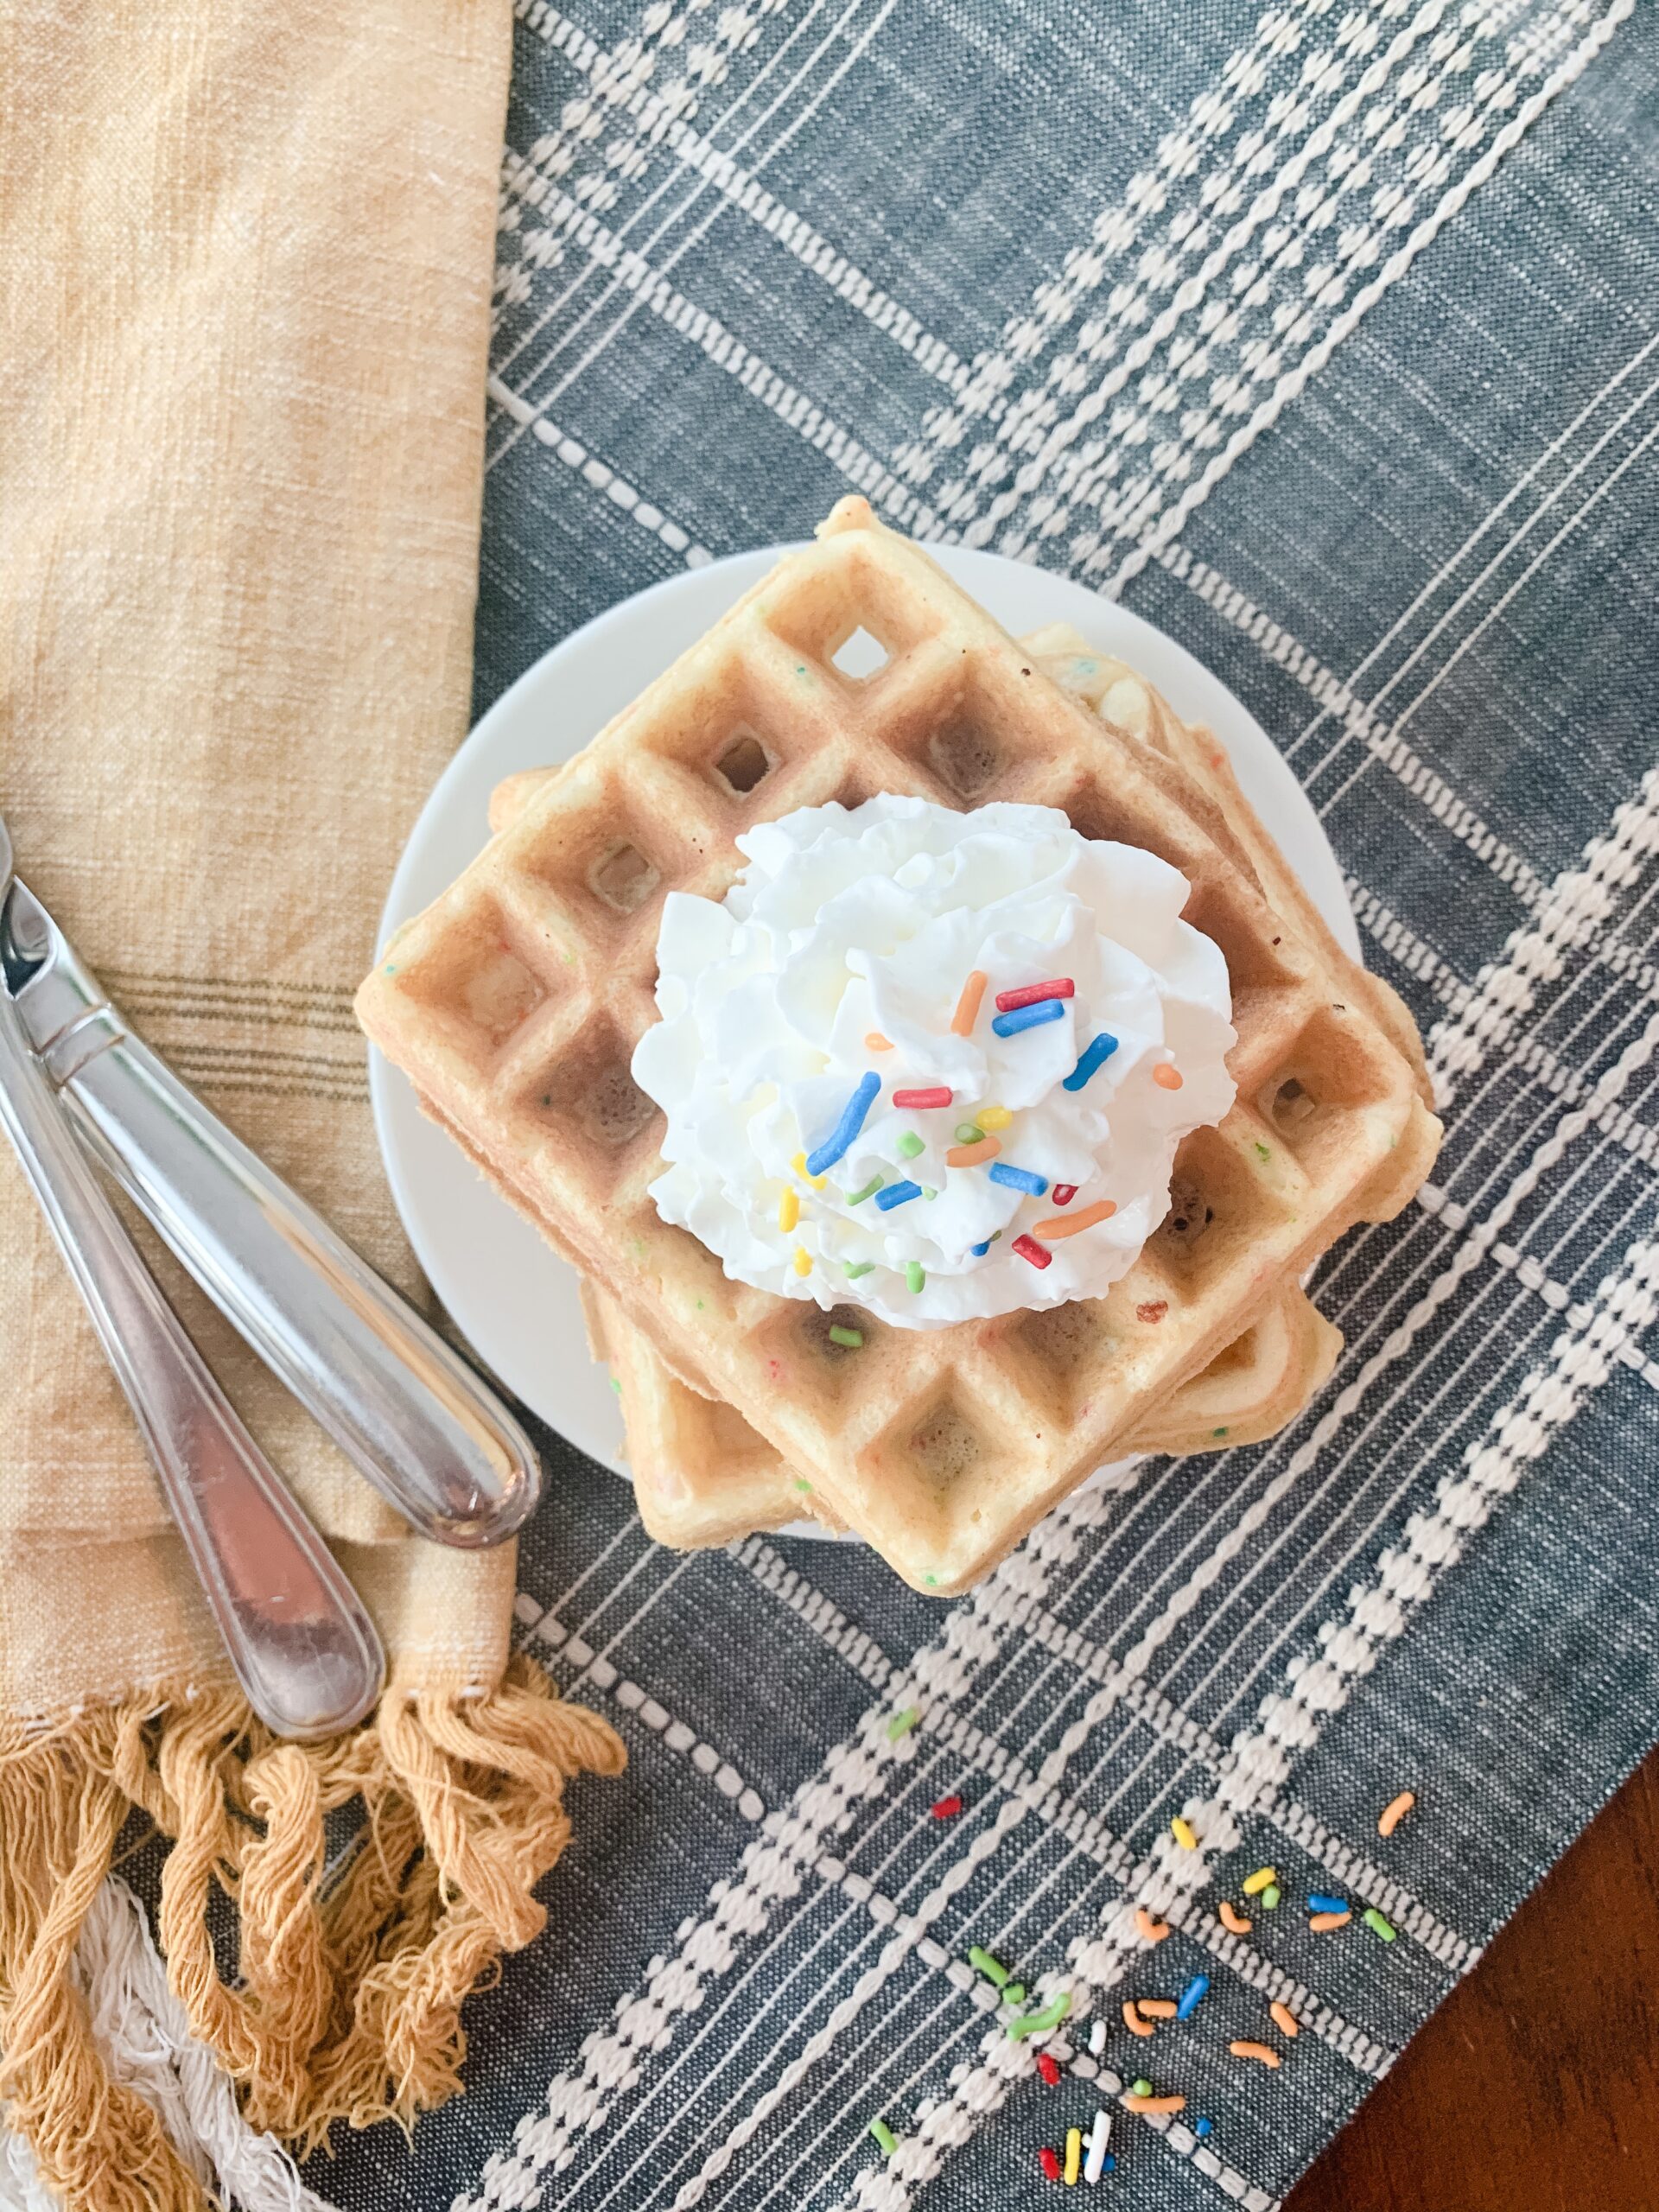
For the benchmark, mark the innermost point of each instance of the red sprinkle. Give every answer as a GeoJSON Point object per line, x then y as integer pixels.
{"type": "Point", "coordinates": [1060, 987]}
{"type": "Point", "coordinates": [948, 1808]}
{"type": "Point", "coordinates": [1062, 1193]}
{"type": "Point", "coordinates": [937, 1096]}
{"type": "Point", "coordinates": [1049, 2066]}
{"type": "Point", "coordinates": [1051, 2163]}
{"type": "Point", "coordinates": [1153, 1310]}
{"type": "Point", "coordinates": [1039, 1255]}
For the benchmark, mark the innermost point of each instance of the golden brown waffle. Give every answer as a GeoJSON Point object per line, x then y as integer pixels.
{"type": "Point", "coordinates": [702, 1476]}
{"type": "Point", "coordinates": [515, 1001]}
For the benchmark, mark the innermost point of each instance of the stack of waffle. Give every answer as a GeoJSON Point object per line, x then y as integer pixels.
{"type": "Point", "coordinates": [514, 1003]}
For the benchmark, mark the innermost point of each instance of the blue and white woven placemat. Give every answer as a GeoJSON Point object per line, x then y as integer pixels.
{"type": "Point", "coordinates": [1328, 334]}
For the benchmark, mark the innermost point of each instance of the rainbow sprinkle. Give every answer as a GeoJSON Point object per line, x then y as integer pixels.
{"type": "Point", "coordinates": [909, 1145]}
{"type": "Point", "coordinates": [1039, 2023]}
{"type": "Point", "coordinates": [803, 1261]}
{"type": "Point", "coordinates": [971, 1155]}
{"type": "Point", "coordinates": [1192, 1996]}
{"type": "Point", "coordinates": [902, 1722]}
{"type": "Point", "coordinates": [851, 1340]}
{"type": "Point", "coordinates": [1063, 1193]}
{"type": "Point", "coordinates": [1167, 1078]}
{"type": "Point", "coordinates": [994, 1117]}
{"type": "Point", "coordinates": [1019, 1178]}
{"type": "Point", "coordinates": [1028, 1249]}
{"type": "Point", "coordinates": [886, 2141]}
{"type": "Point", "coordinates": [852, 1120]}
{"type": "Point", "coordinates": [935, 1095]}
{"type": "Point", "coordinates": [857, 1197]}
{"type": "Point", "coordinates": [967, 1013]}
{"type": "Point", "coordinates": [853, 1268]}
{"type": "Point", "coordinates": [1056, 1227]}
{"type": "Point", "coordinates": [1183, 1832]}
{"type": "Point", "coordinates": [1029, 1017]}
{"type": "Point", "coordinates": [788, 1211]}
{"type": "Point", "coordinates": [799, 1165]}
{"type": "Point", "coordinates": [914, 1277]}
{"type": "Point", "coordinates": [1091, 1060]}
{"type": "Point", "coordinates": [1059, 986]}
{"type": "Point", "coordinates": [896, 1194]}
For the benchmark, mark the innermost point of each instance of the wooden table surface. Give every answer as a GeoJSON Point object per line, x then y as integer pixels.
{"type": "Point", "coordinates": [1535, 2087]}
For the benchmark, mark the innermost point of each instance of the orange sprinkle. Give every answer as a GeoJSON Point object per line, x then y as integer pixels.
{"type": "Point", "coordinates": [1233, 1923]}
{"type": "Point", "coordinates": [877, 1042]}
{"type": "Point", "coordinates": [1167, 1078]}
{"type": "Point", "coordinates": [1157, 2008]}
{"type": "Point", "coordinates": [970, 1155]}
{"type": "Point", "coordinates": [1284, 2020]}
{"type": "Point", "coordinates": [967, 1013]}
{"type": "Point", "coordinates": [1068, 1224]}
{"type": "Point", "coordinates": [1395, 1811]}
{"type": "Point", "coordinates": [1148, 1929]}
{"type": "Point", "coordinates": [1132, 2019]}
{"type": "Point", "coordinates": [1323, 1923]}
{"type": "Point", "coordinates": [1256, 2050]}
{"type": "Point", "coordinates": [1132, 2103]}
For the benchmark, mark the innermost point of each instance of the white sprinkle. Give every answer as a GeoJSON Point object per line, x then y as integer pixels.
{"type": "Point", "coordinates": [1097, 2037]}
{"type": "Point", "coordinates": [1100, 2136]}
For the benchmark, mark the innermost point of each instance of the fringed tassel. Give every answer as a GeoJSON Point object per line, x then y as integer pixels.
{"type": "Point", "coordinates": [347, 2002]}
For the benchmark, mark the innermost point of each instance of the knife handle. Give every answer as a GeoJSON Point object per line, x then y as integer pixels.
{"type": "Point", "coordinates": [303, 1648]}
{"type": "Point", "coordinates": [428, 1433]}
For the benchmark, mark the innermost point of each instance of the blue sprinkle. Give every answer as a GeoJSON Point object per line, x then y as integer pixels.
{"type": "Point", "coordinates": [1029, 1017]}
{"type": "Point", "coordinates": [1017, 1178]}
{"type": "Point", "coordinates": [852, 1121]}
{"type": "Point", "coordinates": [1192, 1996]}
{"type": "Point", "coordinates": [1202, 2127]}
{"type": "Point", "coordinates": [1109, 2164]}
{"type": "Point", "coordinates": [1092, 1057]}
{"type": "Point", "coordinates": [896, 1194]}
{"type": "Point", "coordinates": [1317, 1901]}
{"type": "Point", "coordinates": [980, 1250]}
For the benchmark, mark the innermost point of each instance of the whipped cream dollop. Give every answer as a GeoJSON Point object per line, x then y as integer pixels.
{"type": "Point", "coordinates": [841, 954]}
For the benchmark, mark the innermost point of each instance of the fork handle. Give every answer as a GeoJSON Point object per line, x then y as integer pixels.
{"type": "Point", "coordinates": [303, 1647]}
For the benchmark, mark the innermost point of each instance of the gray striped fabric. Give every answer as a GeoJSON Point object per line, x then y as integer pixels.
{"type": "Point", "coordinates": [1327, 336]}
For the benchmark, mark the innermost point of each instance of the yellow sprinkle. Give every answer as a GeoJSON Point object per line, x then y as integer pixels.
{"type": "Point", "coordinates": [994, 1117]}
{"type": "Point", "coordinates": [1182, 1832]}
{"type": "Point", "coordinates": [799, 1165]}
{"type": "Point", "coordinates": [1255, 1884]}
{"type": "Point", "coordinates": [1073, 2155]}
{"type": "Point", "coordinates": [788, 1211]}
{"type": "Point", "coordinates": [803, 1261]}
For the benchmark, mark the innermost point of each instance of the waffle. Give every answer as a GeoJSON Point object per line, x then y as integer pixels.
{"type": "Point", "coordinates": [514, 1002]}
{"type": "Point", "coordinates": [702, 1475]}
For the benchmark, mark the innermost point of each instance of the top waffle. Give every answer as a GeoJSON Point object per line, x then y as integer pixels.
{"type": "Point", "coordinates": [515, 1001]}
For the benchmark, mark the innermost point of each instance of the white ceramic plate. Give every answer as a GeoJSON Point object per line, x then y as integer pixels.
{"type": "Point", "coordinates": [510, 1294]}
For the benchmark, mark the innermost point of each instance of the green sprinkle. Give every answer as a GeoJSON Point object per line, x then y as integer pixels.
{"type": "Point", "coordinates": [914, 1275]}
{"type": "Point", "coordinates": [857, 1197]}
{"type": "Point", "coordinates": [699, 1306]}
{"type": "Point", "coordinates": [926, 1193]}
{"type": "Point", "coordinates": [902, 1722]}
{"type": "Point", "coordinates": [1143, 2087]}
{"type": "Point", "coordinates": [800, 668]}
{"type": "Point", "coordinates": [993, 1969]}
{"type": "Point", "coordinates": [853, 1338]}
{"type": "Point", "coordinates": [1015, 1994]}
{"type": "Point", "coordinates": [799, 1484]}
{"type": "Point", "coordinates": [616, 1386]}
{"type": "Point", "coordinates": [909, 1145]}
{"type": "Point", "coordinates": [1217, 1431]}
{"type": "Point", "coordinates": [853, 1268]}
{"type": "Point", "coordinates": [1376, 1923]}
{"type": "Point", "coordinates": [1039, 2023]}
{"type": "Point", "coordinates": [1270, 1898]}
{"type": "Point", "coordinates": [885, 2137]}
{"type": "Point", "coordinates": [390, 968]}
{"type": "Point", "coordinates": [969, 1132]}
{"type": "Point", "coordinates": [932, 1580]}
{"type": "Point", "coordinates": [1262, 1153]}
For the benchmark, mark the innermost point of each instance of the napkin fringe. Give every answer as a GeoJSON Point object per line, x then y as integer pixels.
{"type": "Point", "coordinates": [357, 1940]}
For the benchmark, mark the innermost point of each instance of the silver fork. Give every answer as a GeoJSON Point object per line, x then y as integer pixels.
{"type": "Point", "coordinates": [303, 1645]}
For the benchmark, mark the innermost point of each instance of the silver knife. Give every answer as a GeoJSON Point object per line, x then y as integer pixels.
{"type": "Point", "coordinates": [302, 1646]}
{"type": "Point", "coordinates": [425, 1430]}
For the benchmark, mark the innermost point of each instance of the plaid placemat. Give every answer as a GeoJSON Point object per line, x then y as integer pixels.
{"type": "Point", "coordinates": [1326, 335]}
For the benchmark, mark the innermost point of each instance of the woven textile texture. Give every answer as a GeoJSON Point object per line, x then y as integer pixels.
{"type": "Point", "coordinates": [1327, 336]}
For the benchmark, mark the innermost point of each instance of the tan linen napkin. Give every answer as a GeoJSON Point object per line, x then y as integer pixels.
{"type": "Point", "coordinates": [244, 262]}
